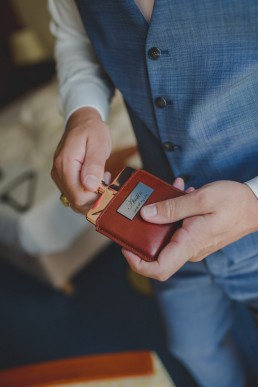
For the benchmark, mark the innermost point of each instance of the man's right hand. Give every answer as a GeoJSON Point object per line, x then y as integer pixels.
{"type": "Point", "coordinates": [80, 157]}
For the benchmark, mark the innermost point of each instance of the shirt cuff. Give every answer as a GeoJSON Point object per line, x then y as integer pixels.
{"type": "Point", "coordinates": [85, 96]}
{"type": "Point", "coordinates": [253, 184]}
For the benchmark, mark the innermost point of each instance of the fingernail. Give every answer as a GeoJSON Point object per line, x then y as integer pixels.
{"type": "Point", "coordinates": [107, 177]}
{"type": "Point", "coordinates": [91, 183]}
{"type": "Point", "coordinates": [149, 211]}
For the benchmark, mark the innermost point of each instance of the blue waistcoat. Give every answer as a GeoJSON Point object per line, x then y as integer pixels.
{"type": "Point", "coordinates": [190, 83]}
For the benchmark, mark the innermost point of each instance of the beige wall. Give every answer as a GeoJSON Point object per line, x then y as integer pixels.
{"type": "Point", "coordinates": [34, 14]}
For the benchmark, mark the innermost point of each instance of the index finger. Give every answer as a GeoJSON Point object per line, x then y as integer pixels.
{"type": "Point", "coordinates": [70, 186]}
{"type": "Point", "coordinates": [97, 151]}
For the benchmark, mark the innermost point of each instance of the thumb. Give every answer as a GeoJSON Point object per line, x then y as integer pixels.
{"type": "Point", "coordinates": [93, 166]}
{"type": "Point", "coordinates": [173, 210]}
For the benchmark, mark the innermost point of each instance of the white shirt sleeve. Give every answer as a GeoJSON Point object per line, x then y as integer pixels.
{"type": "Point", "coordinates": [253, 184]}
{"type": "Point", "coordinates": [82, 80]}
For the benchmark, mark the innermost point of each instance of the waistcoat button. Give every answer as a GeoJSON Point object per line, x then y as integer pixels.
{"type": "Point", "coordinates": [160, 102]}
{"type": "Point", "coordinates": [170, 147]}
{"type": "Point", "coordinates": [154, 53]}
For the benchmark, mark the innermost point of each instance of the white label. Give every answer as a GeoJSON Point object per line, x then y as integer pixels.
{"type": "Point", "coordinates": [134, 202]}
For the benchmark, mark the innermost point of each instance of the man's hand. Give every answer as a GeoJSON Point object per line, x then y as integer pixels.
{"type": "Point", "coordinates": [213, 216]}
{"type": "Point", "coordinates": [80, 158]}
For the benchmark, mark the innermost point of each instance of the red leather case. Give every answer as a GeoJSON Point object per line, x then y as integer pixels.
{"type": "Point", "coordinates": [142, 238]}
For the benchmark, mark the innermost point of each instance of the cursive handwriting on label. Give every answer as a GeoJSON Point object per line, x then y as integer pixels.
{"type": "Point", "coordinates": [135, 200]}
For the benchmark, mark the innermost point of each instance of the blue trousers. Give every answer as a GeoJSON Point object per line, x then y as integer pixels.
{"type": "Point", "coordinates": [197, 308]}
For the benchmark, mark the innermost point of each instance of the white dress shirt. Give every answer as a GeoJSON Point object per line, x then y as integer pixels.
{"type": "Point", "coordinates": [82, 81]}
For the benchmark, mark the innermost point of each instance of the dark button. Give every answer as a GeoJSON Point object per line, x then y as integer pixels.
{"type": "Point", "coordinates": [170, 147]}
{"type": "Point", "coordinates": [160, 102]}
{"type": "Point", "coordinates": [154, 53]}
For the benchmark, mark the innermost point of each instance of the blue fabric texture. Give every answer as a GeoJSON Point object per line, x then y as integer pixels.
{"type": "Point", "coordinates": [207, 73]}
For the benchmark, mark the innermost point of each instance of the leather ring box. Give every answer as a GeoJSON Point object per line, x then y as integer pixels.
{"type": "Point", "coordinates": [116, 214]}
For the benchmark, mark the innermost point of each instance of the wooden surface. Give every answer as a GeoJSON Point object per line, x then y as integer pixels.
{"type": "Point", "coordinates": [79, 369]}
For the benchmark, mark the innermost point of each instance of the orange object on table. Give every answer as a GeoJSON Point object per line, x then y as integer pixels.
{"type": "Point", "coordinates": [79, 369]}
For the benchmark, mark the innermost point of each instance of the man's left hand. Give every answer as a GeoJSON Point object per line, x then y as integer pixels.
{"type": "Point", "coordinates": [212, 217]}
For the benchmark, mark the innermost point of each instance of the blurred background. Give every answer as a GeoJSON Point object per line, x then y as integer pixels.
{"type": "Point", "coordinates": [64, 290]}
{"type": "Point", "coordinates": [26, 47]}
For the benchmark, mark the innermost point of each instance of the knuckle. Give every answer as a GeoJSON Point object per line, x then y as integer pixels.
{"type": "Point", "coordinates": [162, 276]}
{"type": "Point", "coordinates": [57, 163]}
{"type": "Point", "coordinates": [78, 202]}
{"type": "Point", "coordinates": [169, 208]}
{"type": "Point", "coordinates": [134, 268]}
{"type": "Point", "coordinates": [188, 224]}
{"type": "Point", "coordinates": [93, 165]}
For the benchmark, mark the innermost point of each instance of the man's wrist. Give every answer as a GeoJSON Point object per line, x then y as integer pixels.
{"type": "Point", "coordinates": [82, 116]}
